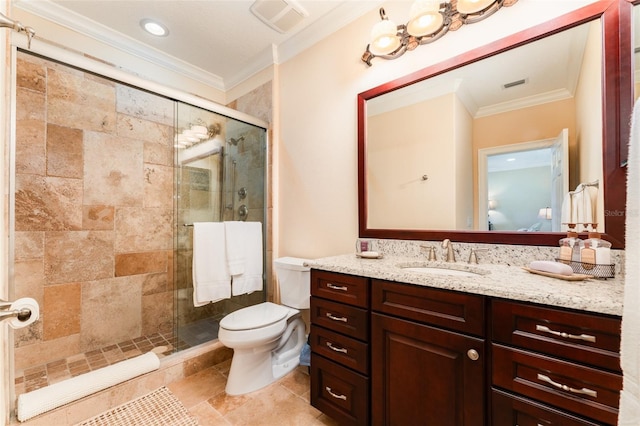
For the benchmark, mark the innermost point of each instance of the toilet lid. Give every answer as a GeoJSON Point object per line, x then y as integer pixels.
{"type": "Point", "coordinates": [256, 316]}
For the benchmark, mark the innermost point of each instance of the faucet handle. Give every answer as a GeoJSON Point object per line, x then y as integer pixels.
{"type": "Point", "coordinates": [473, 257]}
{"type": "Point", "coordinates": [432, 252]}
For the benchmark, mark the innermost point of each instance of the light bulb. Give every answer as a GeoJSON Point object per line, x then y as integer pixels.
{"type": "Point", "coordinates": [384, 38]}
{"type": "Point", "coordinates": [424, 18]}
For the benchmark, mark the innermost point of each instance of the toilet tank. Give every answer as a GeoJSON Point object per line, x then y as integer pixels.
{"type": "Point", "coordinates": [294, 280]}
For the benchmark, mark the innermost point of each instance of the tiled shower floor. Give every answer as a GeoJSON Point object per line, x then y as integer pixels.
{"type": "Point", "coordinates": [39, 376]}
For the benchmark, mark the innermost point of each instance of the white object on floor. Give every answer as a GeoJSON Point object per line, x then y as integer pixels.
{"type": "Point", "coordinates": [629, 413]}
{"type": "Point", "coordinates": [41, 400]}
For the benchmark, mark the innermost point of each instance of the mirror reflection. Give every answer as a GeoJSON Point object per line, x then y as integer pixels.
{"type": "Point", "coordinates": [495, 145]}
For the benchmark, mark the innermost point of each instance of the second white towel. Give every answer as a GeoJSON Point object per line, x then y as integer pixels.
{"type": "Point", "coordinates": [250, 279]}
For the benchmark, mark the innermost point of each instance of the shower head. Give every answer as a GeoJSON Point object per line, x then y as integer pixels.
{"type": "Point", "coordinates": [234, 142]}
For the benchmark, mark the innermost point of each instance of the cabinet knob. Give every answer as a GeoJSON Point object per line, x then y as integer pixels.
{"type": "Point", "coordinates": [473, 354]}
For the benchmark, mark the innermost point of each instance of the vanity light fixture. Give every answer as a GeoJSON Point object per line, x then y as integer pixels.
{"type": "Point", "coordinates": [154, 27]}
{"type": "Point", "coordinates": [196, 133]}
{"type": "Point", "coordinates": [428, 21]}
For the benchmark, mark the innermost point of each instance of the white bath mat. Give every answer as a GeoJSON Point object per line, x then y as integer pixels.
{"type": "Point", "coordinates": [158, 408]}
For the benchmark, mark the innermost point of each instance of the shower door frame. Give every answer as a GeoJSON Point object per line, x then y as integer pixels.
{"type": "Point", "coordinates": [8, 111]}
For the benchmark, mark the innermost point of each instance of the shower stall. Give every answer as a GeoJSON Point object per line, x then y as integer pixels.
{"type": "Point", "coordinates": [107, 180]}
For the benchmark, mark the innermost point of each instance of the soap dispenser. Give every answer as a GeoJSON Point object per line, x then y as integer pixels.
{"type": "Point", "coordinates": [570, 246]}
{"type": "Point", "coordinates": [595, 251]}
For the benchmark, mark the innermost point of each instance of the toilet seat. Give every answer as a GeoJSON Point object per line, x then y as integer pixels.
{"type": "Point", "coordinates": [255, 316]}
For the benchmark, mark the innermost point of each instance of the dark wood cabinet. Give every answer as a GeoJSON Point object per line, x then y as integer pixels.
{"type": "Point", "coordinates": [388, 353]}
{"type": "Point", "coordinates": [423, 372]}
{"type": "Point", "coordinates": [421, 367]}
{"type": "Point", "coordinates": [339, 341]}
{"type": "Point", "coordinates": [561, 361]}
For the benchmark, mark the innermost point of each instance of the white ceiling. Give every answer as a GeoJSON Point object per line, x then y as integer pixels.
{"type": "Point", "coordinates": [550, 67]}
{"type": "Point", "coordinates": [219, 42]}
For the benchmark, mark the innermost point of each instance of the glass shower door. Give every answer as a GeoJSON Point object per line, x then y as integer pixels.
{"type": "Point", "coordinates": [220, 176]}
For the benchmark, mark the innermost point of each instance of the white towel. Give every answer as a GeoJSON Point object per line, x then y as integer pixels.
{"type": "Point", "coordinates": [211, 278]}
{"type": "Point", "coordinates": [236, 234]}
{"type": "Point", "coordinates": [630, 348]}
{"type": "Point", "coordinates": [582, 212]}
{"type": "Point", "coordinates": [251, 279]}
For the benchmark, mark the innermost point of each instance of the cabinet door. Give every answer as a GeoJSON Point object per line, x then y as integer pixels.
{"type": "Point", "coordinates": [425, 375]}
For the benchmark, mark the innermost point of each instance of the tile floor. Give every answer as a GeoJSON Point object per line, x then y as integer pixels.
{"type": "Point", "coordinates": [39, 376]}
{"type": "Point", "coordinates": [190, 335]}
{"type": "Point", "coordinates": [285, 402]}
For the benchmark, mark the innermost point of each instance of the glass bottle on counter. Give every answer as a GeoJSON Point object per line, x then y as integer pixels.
{"type": "Point", "coordinates": [595, 250]}
{"type": "Point", "coordinates": [570, 246]}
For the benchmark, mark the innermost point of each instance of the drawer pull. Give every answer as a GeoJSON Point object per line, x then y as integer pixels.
{"type": "Point", "coordinates": [335, 395]}
{"type": "Point", "coordinates": [333, 348]}
{"type": "Point", "coordinates": [584, 337]}
{"type": "Point", "coordinates": [583, 391]}
{"type": "Point", "coordinates": [332, 317]}
{"type": "Point", "coordinates": [337, 287]}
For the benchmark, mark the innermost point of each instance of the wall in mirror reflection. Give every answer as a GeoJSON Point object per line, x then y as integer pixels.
{"type": "Point", "coordinates": [437, 137]}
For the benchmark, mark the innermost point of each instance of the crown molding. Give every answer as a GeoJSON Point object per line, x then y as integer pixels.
{"type": "Point", "coordinates": [53, 12]}
{"type": "Point", "coordinates": [526, 102]}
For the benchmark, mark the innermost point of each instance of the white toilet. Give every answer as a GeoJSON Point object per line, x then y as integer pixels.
{"type": "Point", "coordinates": [267, 338]}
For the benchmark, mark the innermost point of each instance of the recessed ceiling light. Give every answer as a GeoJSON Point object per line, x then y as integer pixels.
{"type": "Point", "coordinates": [155, 28]}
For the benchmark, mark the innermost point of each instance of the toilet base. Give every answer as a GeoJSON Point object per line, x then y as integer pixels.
{"type": "Point", "coordinates": [253, 369]}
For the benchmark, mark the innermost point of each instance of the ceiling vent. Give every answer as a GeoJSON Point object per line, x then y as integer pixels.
{"type": "Point", "coordinates": [514, 83]}
{"type": "Point", "coordinates": [281, 15]}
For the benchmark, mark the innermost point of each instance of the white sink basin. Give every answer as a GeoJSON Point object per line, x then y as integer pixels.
{"type": "Point", "coordinates": [441, 271]}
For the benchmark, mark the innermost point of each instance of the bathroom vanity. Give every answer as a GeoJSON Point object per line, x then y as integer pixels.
{"type": "Point", "coordinates": [498, 347]}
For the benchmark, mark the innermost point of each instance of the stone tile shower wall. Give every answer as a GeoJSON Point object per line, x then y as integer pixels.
{"type": "Point", "coordinates": [93, 210]}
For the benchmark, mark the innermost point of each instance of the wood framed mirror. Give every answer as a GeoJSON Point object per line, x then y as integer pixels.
{"type": "Point", "coordinates": [613, 18]}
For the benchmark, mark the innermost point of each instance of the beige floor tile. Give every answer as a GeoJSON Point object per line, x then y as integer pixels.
{"type": "Point", "coordinates": [224, 367]}
{"type": "Point", "coordinates": [274, 405]}
{"type": "Point", "coordinates": [224, 403]}
{"type": "Point", "coordinates": [207, 415]}
{"type": "Point", "coordinates": [296, 381]}
{"type": "Point", "coordinates": [198, 387]}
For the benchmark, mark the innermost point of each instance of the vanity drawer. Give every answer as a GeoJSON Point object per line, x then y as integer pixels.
{"type": "Point", "coordinates": [448, 309]}
{"type": "Point", "coordinates": [568, 386]}
{"type": "Point", "coordinates": [338, 392]}
{"type": "Point", "coordinates": [586, 338]}
{"type": "Point", "coordinates": [509, 410]}
{"type": "Point", "coordinates": [345, 319]}
{"type": "Point", "coordinates": [340, 287]}
{"type": "Point", "coordinates": [349, 352]}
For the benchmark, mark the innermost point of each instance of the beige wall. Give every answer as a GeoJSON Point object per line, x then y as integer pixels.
{"type": "Point", "coordinates": [589, 131]}
{"type": "Point", "coordinates": [317, 111]}
{"type": "Point", "coordinates": [398, 158]}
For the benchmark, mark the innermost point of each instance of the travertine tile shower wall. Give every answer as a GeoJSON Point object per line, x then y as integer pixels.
{"type": "Point", "coordinates": [93, 210]}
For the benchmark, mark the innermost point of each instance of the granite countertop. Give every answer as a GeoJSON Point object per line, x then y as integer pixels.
{"type": "Point", "coordinates": [508, 282]}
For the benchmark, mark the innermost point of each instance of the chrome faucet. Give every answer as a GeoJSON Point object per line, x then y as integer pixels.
{"type": "Point", "coordinates": [451, 256]}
